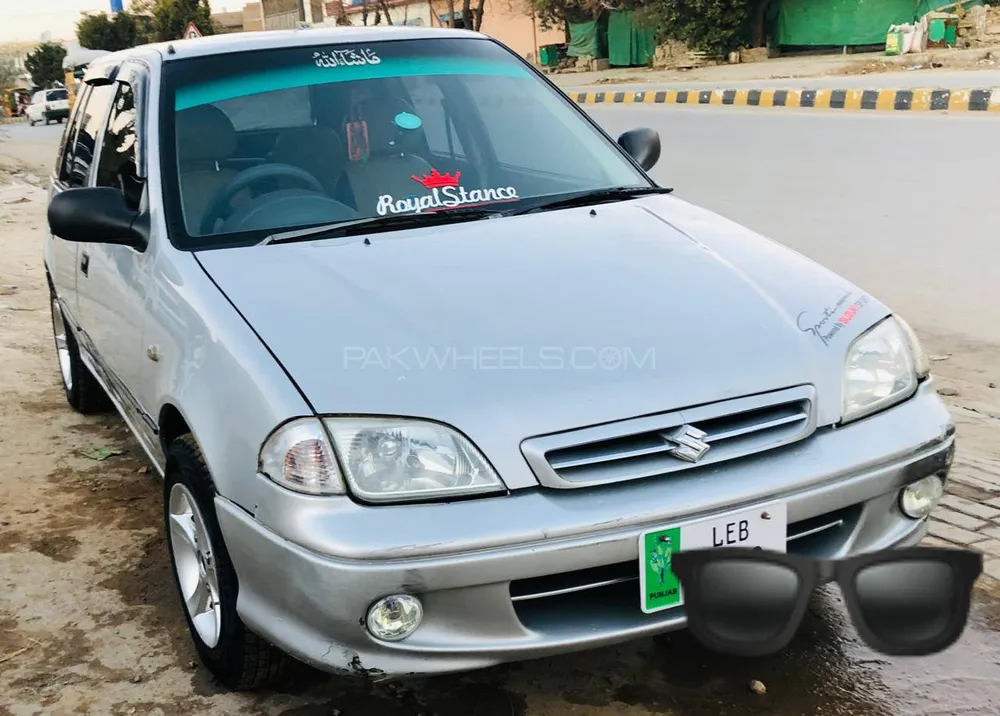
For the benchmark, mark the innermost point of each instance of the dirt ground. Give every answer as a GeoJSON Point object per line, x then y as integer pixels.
{"type": "Point", "coordinates": [805, 66]}
{"type": "Point", "coordinates": [90, 623]}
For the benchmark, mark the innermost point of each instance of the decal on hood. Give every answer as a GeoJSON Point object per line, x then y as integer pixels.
{"type": "Point", "coordinates": [445, 192]}
{"type": "Point", "coordinates": [832, 319]}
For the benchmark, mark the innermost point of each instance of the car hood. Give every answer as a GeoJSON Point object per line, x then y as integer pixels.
{"type": "Point", "coordinates": [517, 327]}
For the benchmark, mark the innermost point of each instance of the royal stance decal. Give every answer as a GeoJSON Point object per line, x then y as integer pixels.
{"type": "Point", "coordinates": [833, 318]}
{"type": "Point", "coordinates": [445, 192]}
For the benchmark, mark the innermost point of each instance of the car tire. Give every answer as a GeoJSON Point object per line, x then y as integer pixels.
{"type": "Point", "coordinates": [205, 579]}
{"type": "Point", "coordinates": [84, 394]}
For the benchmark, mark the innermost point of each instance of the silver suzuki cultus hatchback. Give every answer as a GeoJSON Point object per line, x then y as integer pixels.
{"type": "Point", "coordinates": [435, 375]}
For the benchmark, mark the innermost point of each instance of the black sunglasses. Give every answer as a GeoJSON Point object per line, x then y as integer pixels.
{"type": "Point", "coordinates": [905, 602]}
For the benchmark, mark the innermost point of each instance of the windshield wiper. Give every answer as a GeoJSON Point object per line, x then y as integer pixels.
{"type": "Point", "coordinates": [449, 216]}
{"type": "Point", "coordinates": [586, 198]}
{"type": "Point", "coordinates": [379, 223]}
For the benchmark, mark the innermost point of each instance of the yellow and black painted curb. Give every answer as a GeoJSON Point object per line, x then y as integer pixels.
{"type": "Point", "coordinates": [913, 100]}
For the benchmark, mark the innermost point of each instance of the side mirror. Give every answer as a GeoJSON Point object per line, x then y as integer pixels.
{"type": "Point", "coordinates": [643, 145]}
{"type": "Point", "coordinates": [96, 215]}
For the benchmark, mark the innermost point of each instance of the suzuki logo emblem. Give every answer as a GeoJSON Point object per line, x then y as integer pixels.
{"type": "Point", "coordinates": [691, 445]}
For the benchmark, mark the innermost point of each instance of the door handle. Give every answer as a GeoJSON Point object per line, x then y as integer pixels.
{"type": "Point", "coordinates": [84, 263]}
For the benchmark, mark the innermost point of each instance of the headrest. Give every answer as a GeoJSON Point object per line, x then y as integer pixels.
{"type": "Point", "coordinates": [204, 133]}
{"type": "Point", "coordinates": [384, 136]}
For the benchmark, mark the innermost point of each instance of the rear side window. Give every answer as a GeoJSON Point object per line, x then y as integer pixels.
{"type": "Point", "coordinates": [439, 123]}
{"type": "Point", "coordinates": [88, 124]}
{"type": "Point", "coordinates": [63, 165]}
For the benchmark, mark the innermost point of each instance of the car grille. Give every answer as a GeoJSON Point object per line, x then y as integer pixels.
{"type": "Point", "coordinates": [643, 447]}
{"type": "Point", "coordinates": [617, 585]}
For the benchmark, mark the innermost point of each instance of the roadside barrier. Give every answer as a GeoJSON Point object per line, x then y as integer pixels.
{"type": "Point", "coordinates": [908, 100]}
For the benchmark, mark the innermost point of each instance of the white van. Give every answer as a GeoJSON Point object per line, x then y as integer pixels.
{"type": "Point", "coordinates": [48, 105]}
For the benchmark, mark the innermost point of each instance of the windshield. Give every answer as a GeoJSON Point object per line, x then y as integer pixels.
{"type": "Point", "coordinates": [297, 137]}
{"type": "Point", "coordinates": [56, 95]}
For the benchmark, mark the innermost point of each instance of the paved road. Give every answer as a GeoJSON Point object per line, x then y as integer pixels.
{"type": "Point", "coordinates": [923, 79]}
{"type": "Point", "coordinates": [29, 144]}
{"type": "Point", "coordinates": [903, 206]}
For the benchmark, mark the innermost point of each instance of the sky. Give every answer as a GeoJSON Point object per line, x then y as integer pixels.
{"type": "Point", "coordinates": [28, 19]}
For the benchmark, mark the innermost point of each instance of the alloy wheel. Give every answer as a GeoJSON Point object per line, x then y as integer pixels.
{"type": "Point", "coordinates": [62, 345]}
{"type": "Point", "coordinates": [194, 562]}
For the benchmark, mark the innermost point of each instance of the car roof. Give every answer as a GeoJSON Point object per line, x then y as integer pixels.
{"type": "Point", "coordinates": [237, 42]}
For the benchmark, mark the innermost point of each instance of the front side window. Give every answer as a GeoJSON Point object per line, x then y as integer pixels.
{"type": "Point", "coordinates": [283, 139]}
{"type": "Point", "coordinates": [117, 166]}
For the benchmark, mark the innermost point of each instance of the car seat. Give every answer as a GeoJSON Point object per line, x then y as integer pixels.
{"type": "Point", "coordinates": [205, 137]}
{"type": "Point", "coordinates": [318, 150]}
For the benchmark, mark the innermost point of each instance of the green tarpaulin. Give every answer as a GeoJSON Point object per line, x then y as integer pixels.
{"type": "Point", "coordinates": [839, 22]}
{"type": "Point", "coordinates": [587, 39]}
{"type": "Point", "coordinates": [628, 45]}
{"type": "Point", "coordinates": [847, 22]}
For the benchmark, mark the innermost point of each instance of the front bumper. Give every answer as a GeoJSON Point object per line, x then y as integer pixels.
{"type": "Point", "coordinates": [487, 570]}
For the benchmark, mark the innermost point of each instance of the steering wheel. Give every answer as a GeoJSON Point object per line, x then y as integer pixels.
{"type": "Point", "coordinates": [220, 207]}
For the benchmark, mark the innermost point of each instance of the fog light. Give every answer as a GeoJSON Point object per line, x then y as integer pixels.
{"type": "Point", "coordinates": [918, 499]}
{"type": "Point", "coordinates": [394, 618]}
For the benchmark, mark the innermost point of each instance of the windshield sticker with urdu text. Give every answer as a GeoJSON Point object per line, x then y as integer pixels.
{"type": "Point", "coordinates": [346, 58]}
{"type": "Point", "coordinates": [445, 192]}
{"type": "Point", "coordinates": [833, 318]}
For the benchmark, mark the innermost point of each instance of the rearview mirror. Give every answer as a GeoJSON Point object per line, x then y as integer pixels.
{"type": "Point", "coordinates": [643, 145]}
{"type": "Point", "coordinates": [96, 215]}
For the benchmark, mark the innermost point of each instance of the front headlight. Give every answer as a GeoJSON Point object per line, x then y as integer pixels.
{"type": "Point", "coordinates": [395, 459]}
{"type": "Point", "coordinates": [880, 370]}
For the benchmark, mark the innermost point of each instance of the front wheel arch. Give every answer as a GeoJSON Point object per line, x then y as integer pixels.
{"type": "Point", "coordinates": [240, 660]}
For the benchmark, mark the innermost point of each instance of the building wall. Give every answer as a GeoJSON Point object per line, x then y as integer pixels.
{"type": "Point", "coordinates": [280, 14]}
{"type": "Point", "coordinates": [253, 17]}
{"type": "Point", "coordinates": [226, 22]}
{"type": "Point", "coordinates": [508, 21]}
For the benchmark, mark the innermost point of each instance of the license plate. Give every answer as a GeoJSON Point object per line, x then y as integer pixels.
{"type": "Point", "coordinates": [764, 527]}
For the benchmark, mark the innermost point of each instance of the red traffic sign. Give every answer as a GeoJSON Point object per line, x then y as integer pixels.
{"type": "Point", "coordinates": [191, 31]}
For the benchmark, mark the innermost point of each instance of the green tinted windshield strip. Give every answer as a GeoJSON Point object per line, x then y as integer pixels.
{"type": "Point", "coordinates": [308, 75]}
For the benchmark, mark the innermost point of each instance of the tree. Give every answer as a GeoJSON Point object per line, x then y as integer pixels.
{"type": "Point", "coordinates": [9, 74]}
{"type": "Point", "coordinates": [171, 18]}
{"type": "Point", "coordinates": [557, 13]}
{"type": "Point", "coordinates": [45, 64]}
{"type": "Point", "coordinates": [100, 32]}
{"type": "Point", "coordinates": [714, 26]}
{"type": "Point", "coordinates": [472, 17]}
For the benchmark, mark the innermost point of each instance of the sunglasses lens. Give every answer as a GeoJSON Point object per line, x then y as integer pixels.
{"type": "Point", "coordinates": [907, 603]}
{"type": "Point", "coordinates": [747, 601]}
